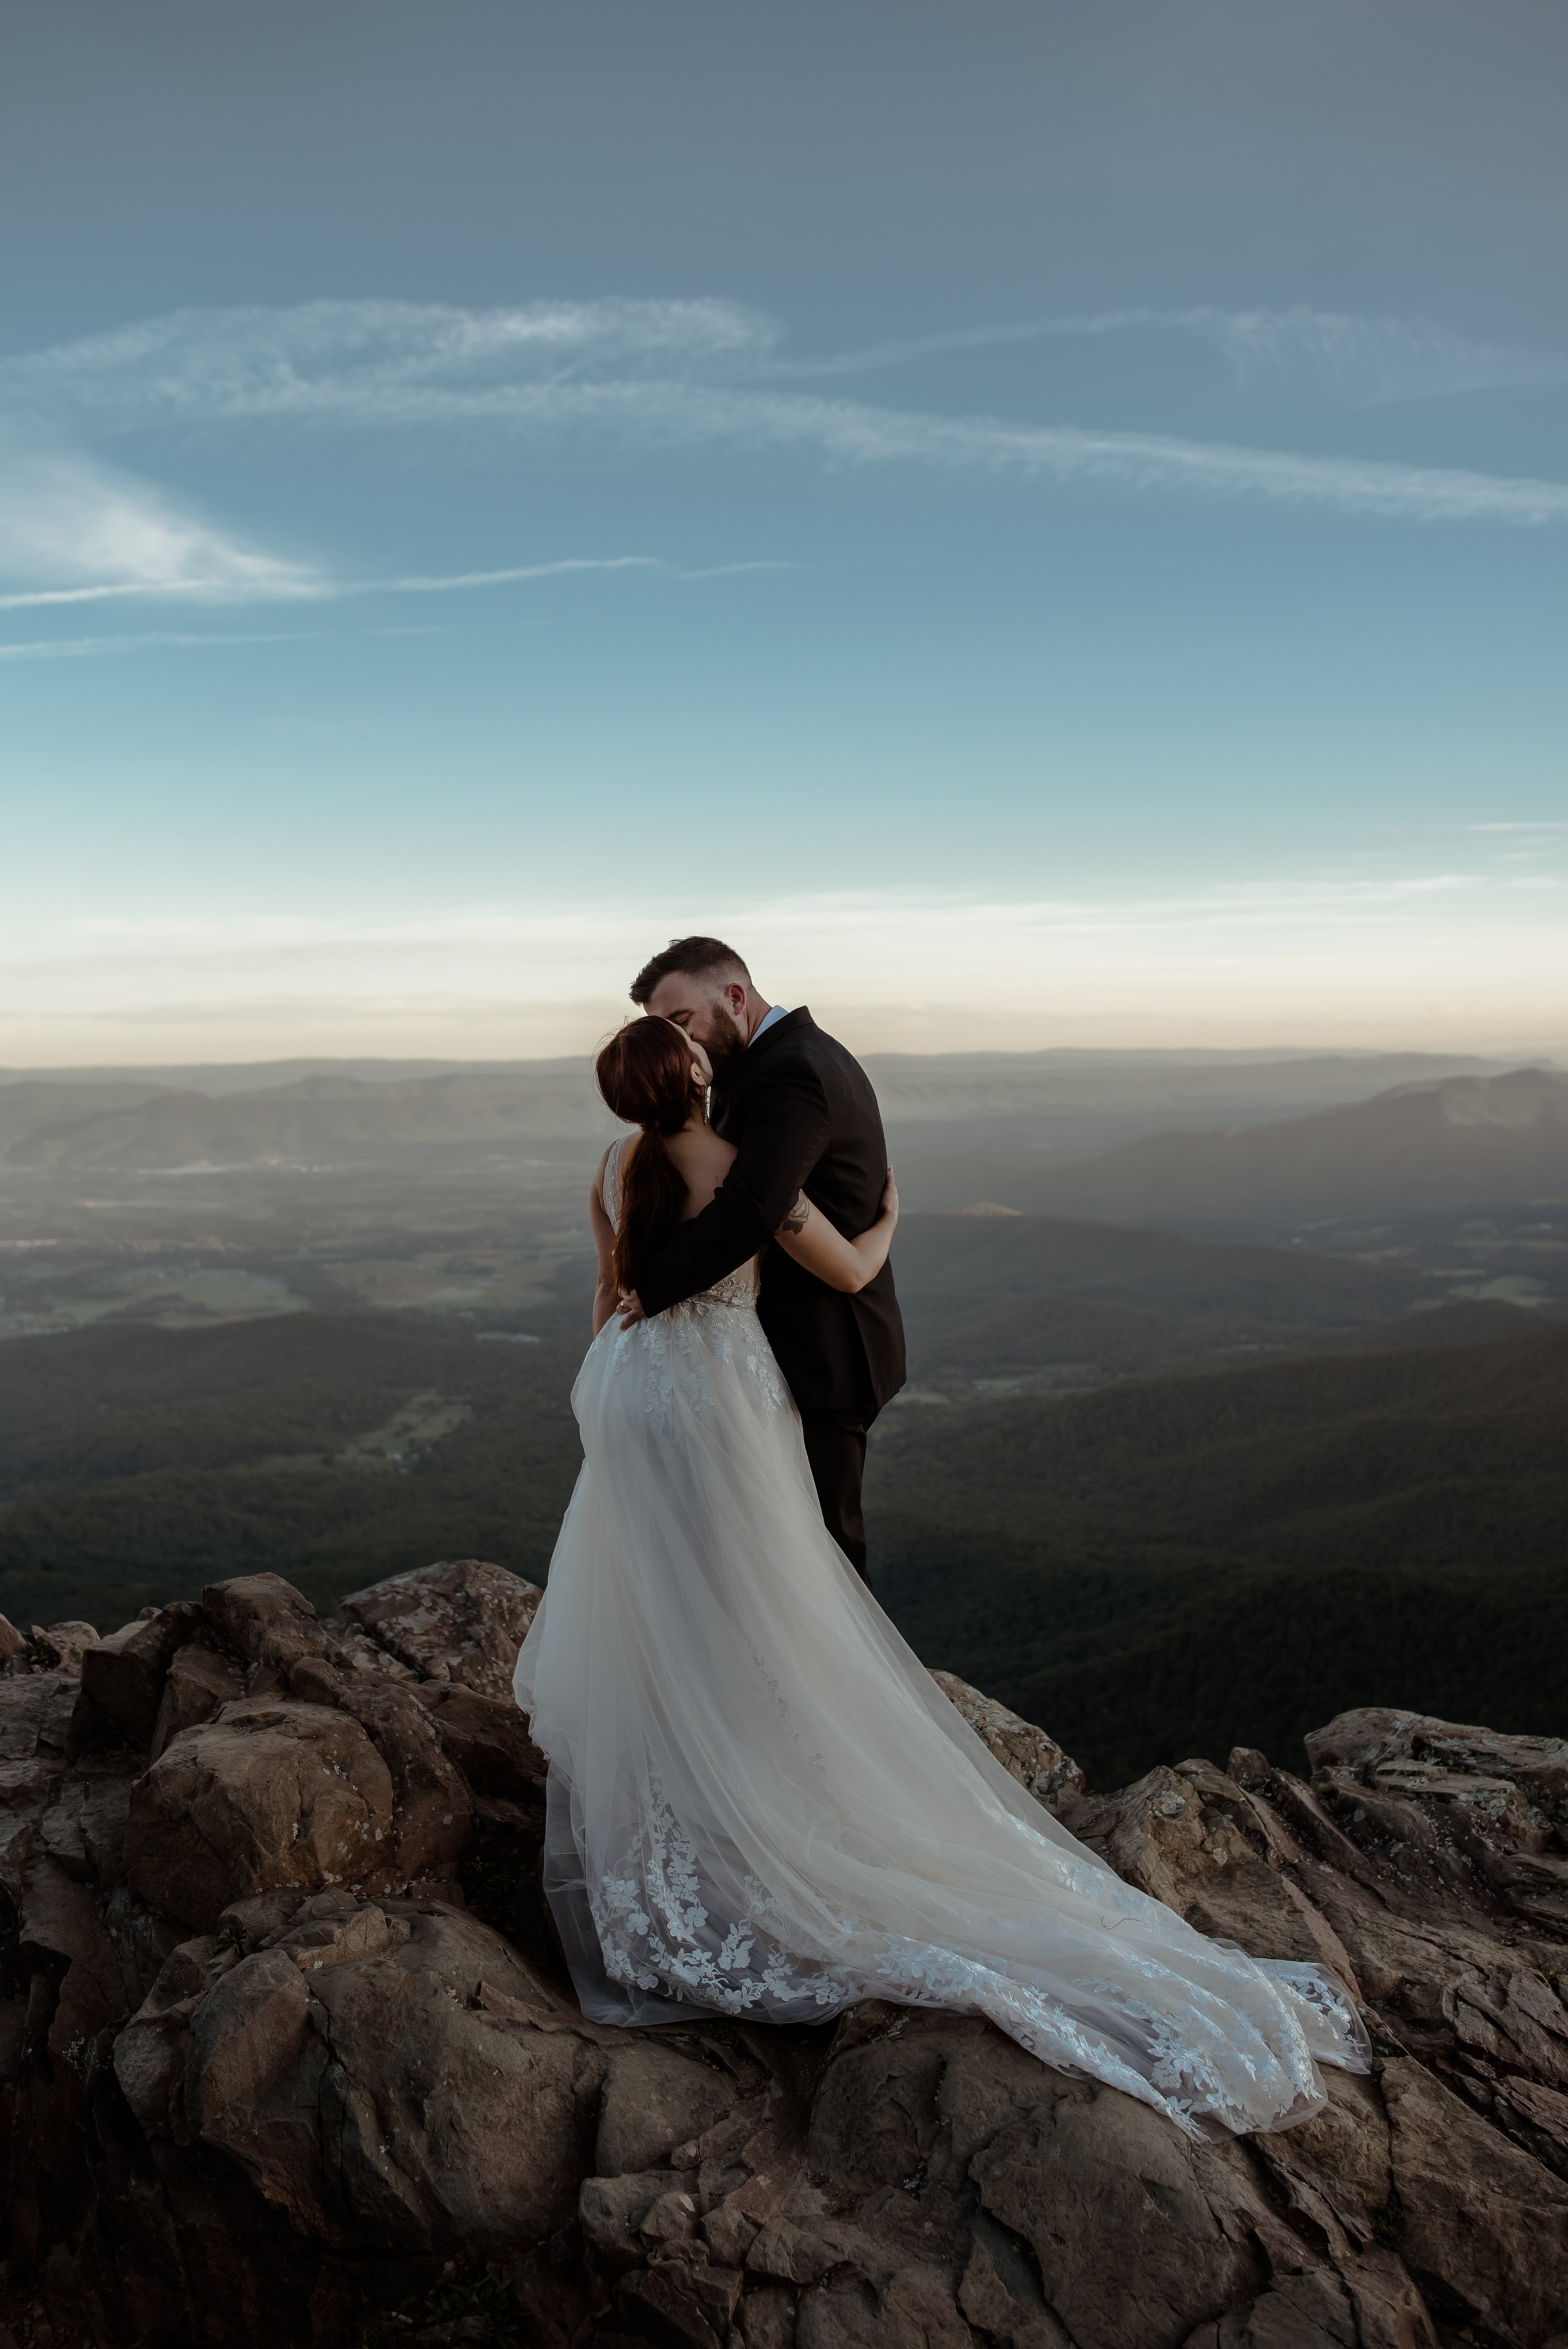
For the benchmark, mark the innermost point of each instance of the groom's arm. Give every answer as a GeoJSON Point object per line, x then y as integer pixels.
{"type": "Point", "coordinates": [786, 1134]}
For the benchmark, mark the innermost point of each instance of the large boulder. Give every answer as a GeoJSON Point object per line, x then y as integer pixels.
{"type": "Point", "coordinates": [265, 1623]}
{"type": "Point", "coordinates": [1416, 1753]}
{"type": "Point", "coordinates": [270, 1793]}
{"type": "Point", "coordinates": [1485, 2227]}
{"type": "Point", "coordinates": [1450, 1804]}
{"type": "Point", "coordinates": [382, 2073]}
{"type": "Point", "coordinates": [123, 1675]}
{"type": "Point", "coordinates": [463, 1620]}
{"type": "Point", "coordinates": [200, 1679]}
{"type": "Point", "coordinates": [36, 1711]}
{"type": "Point", "coordinates": [60, 1927]}
{"type": "Point", "coordinates": [487, 1737]}
{"type": "Point", "coordinates": [1027, 1754]}
{"type": "Point", "coordinates": [60, 1647]}
{"type": "Point", "coordinates": [432, 1805]}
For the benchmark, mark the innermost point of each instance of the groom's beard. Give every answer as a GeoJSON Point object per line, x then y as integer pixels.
{"type": "Point", "coordinates": [725, 1049]}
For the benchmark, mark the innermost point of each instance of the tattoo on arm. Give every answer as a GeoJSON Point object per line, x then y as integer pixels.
{"type": "Point", "coordinates": [795, 1221]}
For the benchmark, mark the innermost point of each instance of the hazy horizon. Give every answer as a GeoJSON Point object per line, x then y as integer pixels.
{"type": "Point", "coordinates": [864, 1032]}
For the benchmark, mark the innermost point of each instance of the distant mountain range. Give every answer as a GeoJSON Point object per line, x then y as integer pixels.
{"type": "Point", "coordinates": [958, 1088]}
{"type": "Point", "coordinates": [1002, 1127]}
{"type": "Point", "coordinates": [108, 1124]}
{"type": "Point", "coordinates": [946, 1113]}
{"type": "Point", "coordinates": [1457, 1142]}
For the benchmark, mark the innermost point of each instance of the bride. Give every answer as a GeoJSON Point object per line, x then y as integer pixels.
{"type": "Point", "coordinates": [760, 1802]}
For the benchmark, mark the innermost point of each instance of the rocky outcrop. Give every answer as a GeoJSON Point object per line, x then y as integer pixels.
{"type": "Point", "coordinates": [462, 1622]}
{"type": "Point", "coordinates": [288, 2054]}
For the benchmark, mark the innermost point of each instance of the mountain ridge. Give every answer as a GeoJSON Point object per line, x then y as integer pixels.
{"type": "Point", "coordinates": [1442, 1143]}
{"type": "Point", "coordinates": [147, 1120]}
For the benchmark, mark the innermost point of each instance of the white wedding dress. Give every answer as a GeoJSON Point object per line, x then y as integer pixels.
{"type": "Point", "coordinates": [761, 1804]}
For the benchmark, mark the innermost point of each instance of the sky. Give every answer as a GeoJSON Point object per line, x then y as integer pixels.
{"type": "Point", "coordinates": [1044, 525]}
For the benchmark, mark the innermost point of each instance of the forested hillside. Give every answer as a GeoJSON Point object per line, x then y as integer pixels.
{"type": "Point", "coordinates": [137, 1464]}
{"type": "Point", "coordinates": [1180, 1562]}
{"type": "Point", "coordinates": [1212, 1560]}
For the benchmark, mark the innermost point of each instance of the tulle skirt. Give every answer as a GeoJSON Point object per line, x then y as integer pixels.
{"type": "Point", "coordinates": [761, 1804]}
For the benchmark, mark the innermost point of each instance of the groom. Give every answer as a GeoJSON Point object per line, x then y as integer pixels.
{"type": "Point", "coordinates": [803, 1116]}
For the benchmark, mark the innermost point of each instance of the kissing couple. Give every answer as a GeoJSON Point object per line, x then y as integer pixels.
{"type": "Point", "coordinates": [760, 1802]}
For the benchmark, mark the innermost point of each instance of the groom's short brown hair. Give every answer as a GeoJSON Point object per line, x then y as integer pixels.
{"type": "Point", "coordinates": [693, 958]}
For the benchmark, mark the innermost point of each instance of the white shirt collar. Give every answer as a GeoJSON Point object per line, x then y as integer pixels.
{"type": "Point", "coordinates": [768, 1019]}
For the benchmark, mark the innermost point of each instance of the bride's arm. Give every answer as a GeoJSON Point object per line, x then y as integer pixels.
{"type": "Point", "coordinates": [818, 1246]}
{"type": "Point", "coordinates": [605, 1289]}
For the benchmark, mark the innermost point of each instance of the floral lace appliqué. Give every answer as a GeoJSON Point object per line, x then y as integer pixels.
{"type": "Point", "coordinates": [656, 1932]}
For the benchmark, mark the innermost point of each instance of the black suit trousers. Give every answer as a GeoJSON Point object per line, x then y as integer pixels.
{"type": "Point", "coordinates": [836, 1449]}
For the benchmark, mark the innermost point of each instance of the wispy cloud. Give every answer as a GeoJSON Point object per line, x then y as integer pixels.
{"type": "Point", "coordinates": [853, 432]}
{"type": "Point", "coordinates": [365, 362]}
{"type": "Point", "coordinates": [1371, 362]}
{"type": "Point", "coordinates": [1360, 361]}
{"type": "Point", "coordinates": [319, 591]}
{"type": "Point", "coordinates": [86, 531]}
{"type": "Point", "coordinates": [645, 375]}
{"type": "Point", "coordinates": [402, 362]}
{"type": "Point", "coordinates": [156, 640]}
{"type": "Point", "coordinates": [1351, 360]}
{"type": "Point", "coordinates": [316, 587]}
{"type": "Point", "coordinates": [665, 373]}
{"type": "Point", "coordinates": [943, 918]}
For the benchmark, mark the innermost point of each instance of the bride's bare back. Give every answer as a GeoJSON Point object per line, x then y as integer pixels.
{"type": "Point", "coordinates": [700, 1158]}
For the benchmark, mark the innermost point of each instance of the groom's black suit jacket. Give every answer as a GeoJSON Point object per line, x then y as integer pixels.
{"type": "Point", "coordinates": [803, 1116]}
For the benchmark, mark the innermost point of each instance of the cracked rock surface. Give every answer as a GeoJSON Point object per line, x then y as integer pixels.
{"type": "Point", "coordinates": [288, 2056]}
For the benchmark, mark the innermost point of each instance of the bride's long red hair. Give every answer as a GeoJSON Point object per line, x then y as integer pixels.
{"type": "Point", "coordinates": [645, 1074]}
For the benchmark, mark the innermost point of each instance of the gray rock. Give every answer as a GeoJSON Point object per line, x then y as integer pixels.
{"type": "Point", "coordinates": [60, 1647]}
{"type": "Point", "coordinates": [463, 1620]}
{"type": "Point", "coordinates": [1447, 1806]}
{"type": "Point", "coordinates": [487, 1738]}
{"type": "Point", "coordinates": [362, 2088]}
{"type": "Point", "coordinates": [123, 1675]}
{"type": "Point", "coordinates": [200, 1680]}
{"type": "Point", "coordinates": [655, 2099]}
{"type": "Point", "coordinates": [265, 1623]}
{"type": "Point", "coordinates": [1479, 2218]}
{"type": "Point", "coordinates": [268, 1794]}
{"type": "Point", "coordinates": [1036, 1761]}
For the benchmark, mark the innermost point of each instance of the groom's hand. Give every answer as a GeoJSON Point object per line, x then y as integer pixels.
{"type": "Point", "coordinates": [630, 1310]}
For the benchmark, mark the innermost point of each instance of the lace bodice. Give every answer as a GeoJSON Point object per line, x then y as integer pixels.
{"type": "Point", "coordinates": [737, 1288]}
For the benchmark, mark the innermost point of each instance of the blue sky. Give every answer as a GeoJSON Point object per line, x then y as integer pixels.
{"type": "Point", "coordinates": [1046, 525]}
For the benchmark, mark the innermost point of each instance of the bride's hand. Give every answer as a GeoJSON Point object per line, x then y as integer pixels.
{"type": "Point", "coordinates": [630, 1310]}
{"type": "Point", "coordinates": [890, 1197]}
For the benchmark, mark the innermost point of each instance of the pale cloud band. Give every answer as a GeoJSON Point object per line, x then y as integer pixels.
{"type": "Point", "coordinates": [305, 588]}
{"type": "Point", "coordinates": [1444, 957]}
{"type": "Point", "coordinates": [649, 375]}
{"type": "Point", "coordinates": [1356, 362]}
